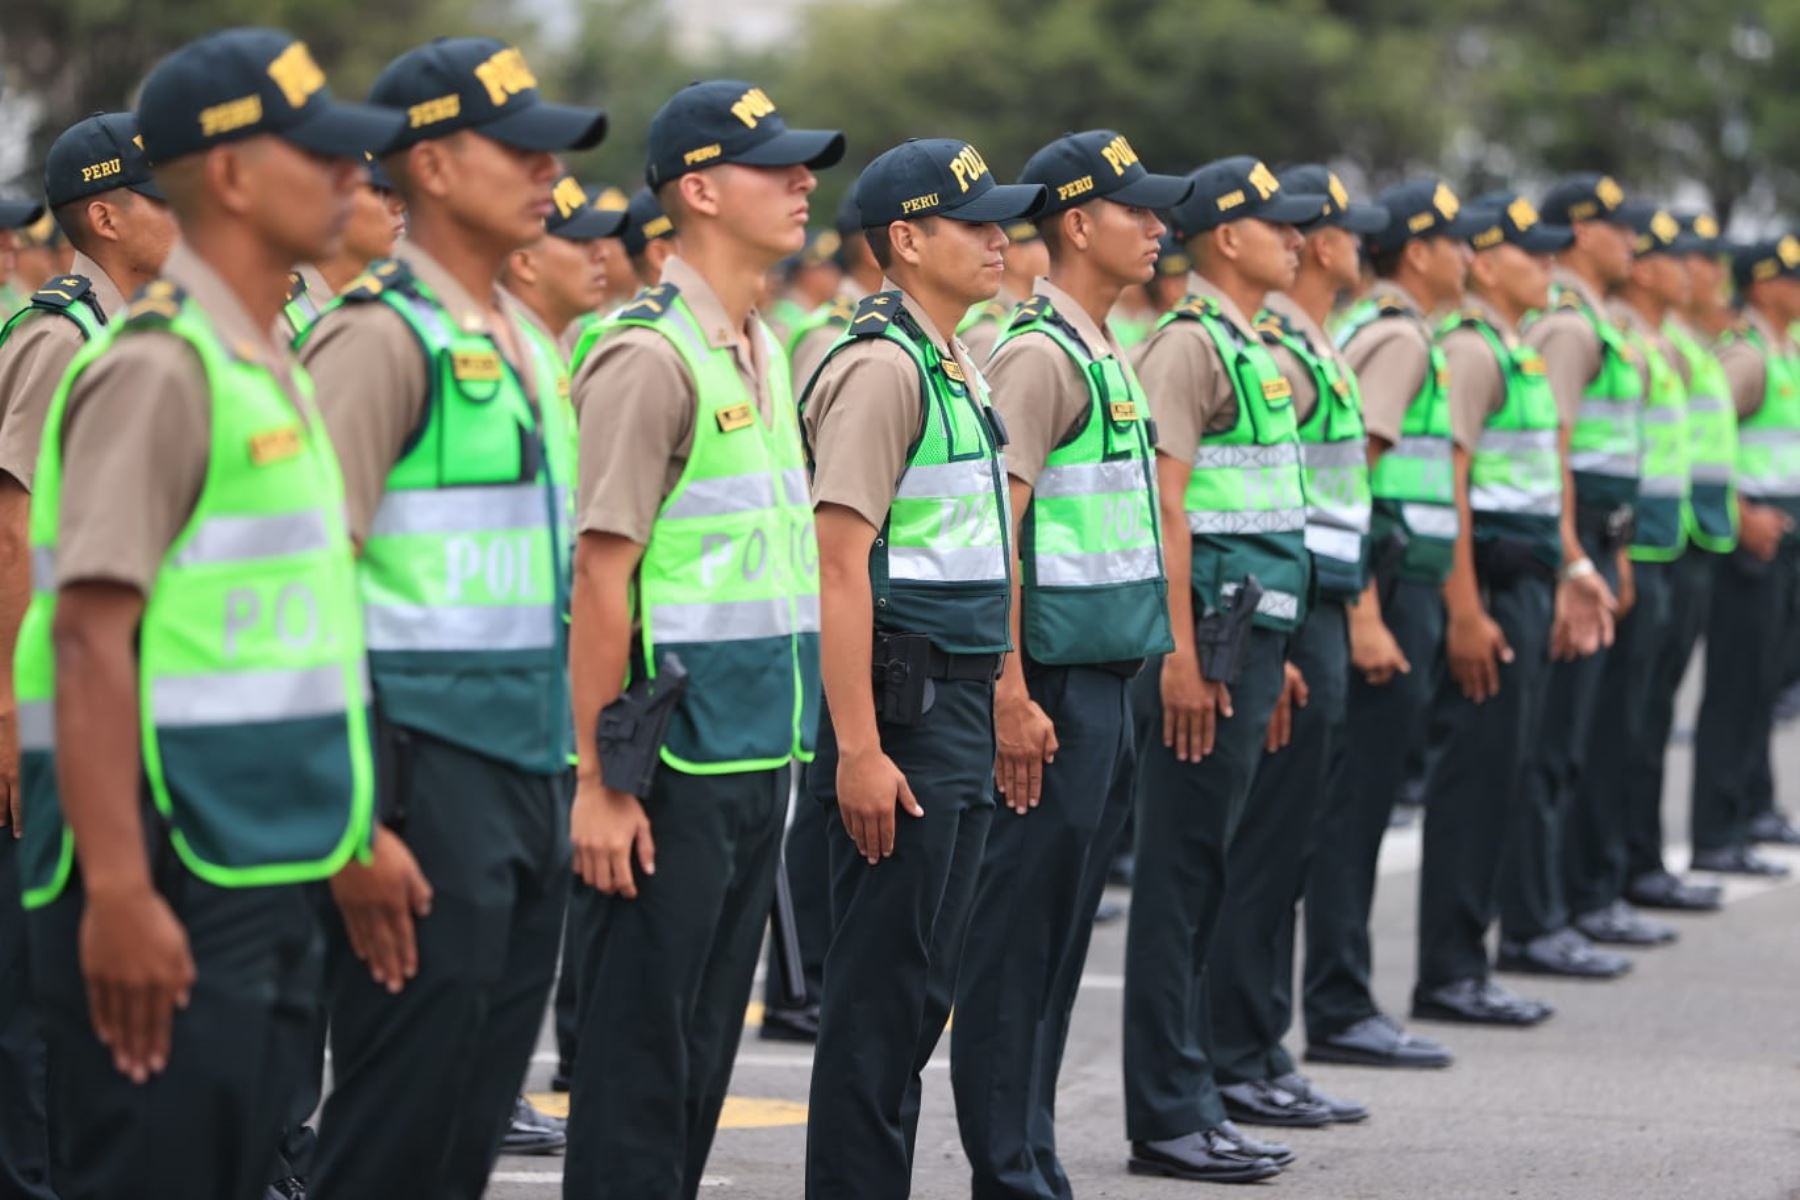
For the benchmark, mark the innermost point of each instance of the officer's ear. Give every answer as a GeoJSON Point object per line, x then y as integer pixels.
{"type": "Point", "coordinates": [695, 192]}
{"type": "Point", "coordinates": [427, 166]}
{"type": "Point", "coordinates": [906, 239]}
{"type": "Point", "coordinates": [521, 268]}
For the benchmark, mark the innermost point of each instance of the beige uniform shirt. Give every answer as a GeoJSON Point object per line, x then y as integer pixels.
{"type": "Point", "coordinates": [1297, 373]}
{"type": "Point", "coordinates": [1189, 389]}
{"type": "Point", "coordinates": [811, 349]}
{"type": "Point", "coordinates": [865, 412]}
{"type": "Point", "coordinates": [637, 402]}
{"type": "Point", "coordinates": [980, 337]}
{"type": "Point", "coordinates": [1745, 370]}
{"type": "Point", "coordinates": [1390, 356]}
{"type": "Point", "coordinates": [137, 432]}
{"type": "Point", "coordinates": [372, 380]}
{"type": "Point", "coordinates": [32, 363]}
{"type": "Point", "coordinates": [1477, 378]}
{"type": "Point", "coordinates": [1569, 345]}
{"type": "Point", "coordinates": [1039, 391]}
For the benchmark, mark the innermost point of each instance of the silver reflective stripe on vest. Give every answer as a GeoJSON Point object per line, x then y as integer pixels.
{"type": "Point", "coordinates": [1505, 498]}
{"type": "Point", "coordinates": [1708, 404]}
{"type": "Point", "coordinates": [1212, 458]}
{"type": "Point", "coordinates": [722, 494]}
{"type": "Point", "coordinates": [1716, 473]}
{"type": "Point", "coordinates": [37, 725]}
{"type": "Point", "coordinates": [1663, 414]}
{"type": "Point", "coordinates": [230, 539]}
{"type": "Point", "coordinates": [727, 621]}
{"type": "Point", "coordinates": [946, 481]}
{"type": "Point", "coordinates": [1432, 520]}
{"type": "Point", "coordinates": [1516, 441]}
{"type": "Point", "coordinates": [1664, 486]}
{"type": "Point", "coordinates": [806, 613]}
{"type": "Point", "coordinates": [1282, 520]}
{"type": "Point", "coordinates": [1344, 545]}
{"type": "Point", "coordinates": [1092, 570]}
{"type": "Point", "coordinates": [1282, 606]}
{"type": "Point", "coordinates": [43, 568]}
{"type": "Point", "coordinates": [958, 564]}
{"type": "Point", "coordinates": [1334, 454]}
{"type": "Point", "coordinates": [1611, 412]}
{"type": "Point", "coordinates": [461, 510]}
{"type": "Point", "coordinates": [794, 486]}
{"type": "Point", "coordinates": [1425, 449]}
{"type": "Point", "coordinates": [1604, 462]}
{"type": "Point", "coordinates": [1090, 479]}
{"type": "Point", "coordinates": [459, 627]}
{"type": "Point", "coordinates": [244, 697]}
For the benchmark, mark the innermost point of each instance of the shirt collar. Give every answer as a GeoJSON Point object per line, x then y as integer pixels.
{"type": "Point", "coordinates": [1199, 285]}
{"type": "Point", "coordinates": [1387, 290]}
{"type": "Point", "coordinates": [1474, 302]}
{"type": "Point", "coordinates": [451, 294]}
{"type": "Point", "coordinates": [704, 303]}
{"type": "Point", "coordinates": [1095, 339]}
{"type": "Point", "coordinates": [1283, 305]}
{"type": "Point", "coordinates": [105, 292]}
{"type": "Point", "coordinates": [193, 275]}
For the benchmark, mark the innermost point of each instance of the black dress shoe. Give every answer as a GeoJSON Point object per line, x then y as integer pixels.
{"type": "Point", "coordinates": [1249, 1147]}
{"type": "Point", "coordinates": [1739, 860]}
{"type": "Point", "coordinates": [1343, 1112]}
{"type": "Point", "coordinates": [1206, 1157]}
{"type": "Point", "coordinates": [790, 1024]}
{"type": "Point", "coordinates": [1378, 1041]}
{"type": "Point", "coordinates": [1476, 1001]}
{"type": "Point", "coordinates": [1564, 953]}
{"type": "Point", "coordinates": [1662, 889]}
{"type": "Point", "coordinates": [1262, 1103]}
{"type": "Point", "coordinates": [1618, 924]}
{"type": "Point", "coordinates": [534, 1132]}
{"type": "Point", "coordinates": [1774, 829]}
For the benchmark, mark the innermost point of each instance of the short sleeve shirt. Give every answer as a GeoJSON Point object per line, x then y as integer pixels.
{"type": "Point", "coordinates": [32, 364]}
{"type": "Point", "coordinates": [1040, 392]}
{"type": "Point", "coordinates": [1477, 378]}
{"type": "Point", "coordinates": [1189, 389]}
{"type": "Point", "coordinates": [1745, 371]}
{"type": "Point", "coordinates": [1297, 373]}
{"type": "Point", "coordinates": [1569, 345]}
{"type": "Point", "coordinates": [1391, 356]}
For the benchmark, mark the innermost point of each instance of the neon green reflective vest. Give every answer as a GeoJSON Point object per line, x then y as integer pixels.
{"type": "Point", "coordinates": [729, 580]}
{"type": "Point", "coordinates": [1712, 512]}
{"type": "Point", "coordinates": [1660, 534]}
{"type": "Point", "coordinates": [464, 577]}
{"type": "Point", "coordinates": [941, 565]}
{"type": "Point", "coordinates": [1129, 331]}
{"type": "Point", "coordinates": [253, 702]}
{"type": "Point", "coordinates": [1515, 473]}
{"type": "Point", "coordinates": [1090, 545]}
{"type": "Point", "coordinates": [1413, 483]}
{"type": "Point", "coordinates": [1334, 454]}
{"type": "Point", "coordinates": [1768, 459]}
{"type": "Point", "coordinates": [1606, 444]}
{"type": "Point", "coordinates": [70, 296]}
{"type": "Point", "coordinates": [1245, 502]}
{"type": "Point", "coordinates": [833, 314]}
{"type": "Point", "coordinates": [987, 310]}
{"type": "Point", "coordinates": [562, 441]}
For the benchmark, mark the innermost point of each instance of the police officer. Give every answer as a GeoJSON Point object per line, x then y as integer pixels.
{"type": "Point", "coordinates": [448, 431]}
{"type": "Point", "coordinates": [1089, 605]}
{"type": "Point", "coordinates": [376, 219]}
{"type": "Point", "coordinates": [648, 239]}
{"type": "Point", "coordinates": [694, 528]}
{"type": "Point", "coordinates": [1419, 260]}
{"type": "Point", "coordinates": [98, 184]}
{"type": "Point", "coordinates": [1593, 372]}
{"type": "Point", "coordinates": [812, 337]}
{"type": "Point", "coordinates": [14, 216]}
{"type": "Point", "coordinates": [562, 276]}
{"type": "Point", "coordinates": [1252, 964]}
{"type": "Point", "coordinates": [915, 593]}
{"type": "Point", "coordinates": [1595, 827]}
{"type": "Point", "coordinates": [1712, 528]}
{"type": "Point", "coordinates": [1753, 587]}
{"type": "Point", "coordinates": [1026, 260]}
{"type": "Point", "coordinates": [621, 278]}
{"type": "Point", "coordinates": [1229, 471]}
{"type": "Point", "coordinates": [41, 252]}
{"type": "Point", "coordinates": [189, 554]}
{"type": "Point", "coordinates": [809, 280]}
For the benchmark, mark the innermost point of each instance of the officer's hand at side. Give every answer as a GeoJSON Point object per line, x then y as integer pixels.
{"type": "Point", "coordinates": [1374, 652]}
{"type": "Point", "coordinates": [1192, 707]}
{"type": "Point", "coordinates": [10, 814]}
{"type": "Point", "coordinates": [1761, 528]}
{"type": "Point", "coordinates": [869, 788]}
{"type": "Point", "coordinates": [1583, 625]}
{"type": "Point", "coordinates": [1025, 739]}
{"type": "Point", "coordinates": [379, 902]}
{"type": "Point", "coordinates": [1476, 647]}
{"type": "Point", "coordinates": [1294, 694]}
{"type": "Point", "coordinates": [135, 959]}
{"type": "Point", "coordinates": [605, 826]}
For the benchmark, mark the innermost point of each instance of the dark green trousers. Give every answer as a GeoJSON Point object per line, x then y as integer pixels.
{"type": "Point", "coordinates": [1187, 814]}
{"type": "Point", "coordinates": [1476, 787]}
{"type": "Point", "coordinates": [896, 942]}
{"type": "Point", "coordinates": [665, 978]}
{"type": "Point", "coordinates": [1690, 589]}
{"type": "Point", "coordinates": [24, 1136]}
{"type": "Point", "coordinates": [1382, 726]}
{"type": "Point", "coordinates": [1532, 902]}
{"type": "Point", "coordinates": [423, 1082]}
{"type": "Point", "coordinates": [806, 858]}
{"type": "Point", "coordinates": [1042, 875]}
{"type": "Point", "coordinates": [1621, 746]}
{"type": "Point", "coordinates": [1252, 965]}
{"type": "Point", "coordinates": [1750, 600]}
{"type": "Point", "coordinates": [205, 1128]}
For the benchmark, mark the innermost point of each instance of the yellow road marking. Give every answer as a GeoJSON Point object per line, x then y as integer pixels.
{"type": "Point", "coordinates": [740, 1112]}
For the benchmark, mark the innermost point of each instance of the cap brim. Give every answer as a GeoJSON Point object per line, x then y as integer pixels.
{"type": "Point", "coordinates": [148, 188]}
{"type": "Point", "coordinates": [16, 214]}
{"type": "Point", "coordinates": [1693, 243]}
{"type": "Point", "coordinates": [1465, 225]}
{"type": "Point", "coordinates": [344, 130]}
{"type": "Point", "coordinates": [1002, 202]}
{"type": "Point", "coordinates": [1545, 239]}
{"type": "Point", "coordinates": [1153, 191]}
{"type": "Point", "coordinates": [1296, 208]}
{"type": "Point", "coordinates": [592, 224]}
{"type": "Point", "coordinates": [547, 127]}
{"type": "Point", "coordinates": [1360, 218]}
{"type": "Point", "coordinates": [816, 148]}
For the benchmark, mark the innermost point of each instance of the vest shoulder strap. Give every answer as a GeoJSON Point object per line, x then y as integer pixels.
{"type": "Point", "coordinates": [296, 286]}
{"type": "Point", "coordinates": [156, 306]}
{"type": "Point", "coordinates": [1040, 314]}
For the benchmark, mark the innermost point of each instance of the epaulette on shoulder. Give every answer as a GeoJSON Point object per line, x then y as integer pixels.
{"type": "Point", "coordinates": [996, 309]}
{"type": "Point", "coordinates": [1195, 307]}
{"type": "Point", "coordinates": [157, 303]}
{"type": "Point", "coordinates": [1393, 308]}
{"type": "Point", "coordinates": [381, 276]}
{"type": "Point", "coordinates": [62, 291]}
{"type": "Point", "coordinates": [296, 286]}
{"type": "Point", "coordinates": [1273, 326]}
{"type": "Point", "coordinates": [842, 309]}
{"type": "Point", "coordinates": [1032, 310]}
{"type": "Point", "coordinates": [874, 314]}
{"type": "Point", "coordinates": [650, 303]}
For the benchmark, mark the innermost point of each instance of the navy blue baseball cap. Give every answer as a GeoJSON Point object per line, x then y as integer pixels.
{"type": "Point", "coordinates": [1098, 165]}
{"type": "Point", "coordinates": [575, 219]}
{"type": "Point", "coordinates": [16, 214]}
{"type": "Point", "coordinates": [730, 121]}
{"type": "Point", "coordinates": [1585, 197]}
{"type": "Point", "coordinates": [1778, 258]}
{"type": "Point", "coordinates": [1507, 218]}
{"type": "Point", "coordinates": [1700, 234]}
{"type": "Point", "coordinates": [940, 177]}
{"type": "Point", "coordinates": [1237, 188]}
{"type": "Point", "coordinates": [452, 84]}
{"type": "Point", "coordinates": [1314, 179]}
{"type": "Point", "coordinates": [97, 154]}
{"type": "Point", "coordinates": [241, 83]}
{"type": "Point", "coordinates": [378, 178]}
{"type": "Point", "coordinates": [849, 217]}
{"type": "Point", "coordinates": [646, 223]}
{"type": "Point", "coordinates": [1654, 230]}
{"type": "Point", "coordinates": [1420, 208]}
{"type": "Point", "coordinates": [1172, 258]}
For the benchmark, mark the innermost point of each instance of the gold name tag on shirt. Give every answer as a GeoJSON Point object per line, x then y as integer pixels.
{"type": "Point", "coordinates": [1339, 387]}
{"type": "Point", "coordinates": [562, 387]}
{"type": "Point", "coordinates": [1124, 410]}
{"type": "Point", "coordinates": [475, 366]}
{"type": "Point", "coordinates": [1530, 366]}
{"type": "Point", "coordinates": [275, 445]}
{"type": "Point", "coordinates": [1443, 377]}
{"type": "Point", "coordinates": [1277, 389]}
{"type": "Point", "coordinates": [953, 371]}
{"type": "Point", "coordinates": [738, 416]}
